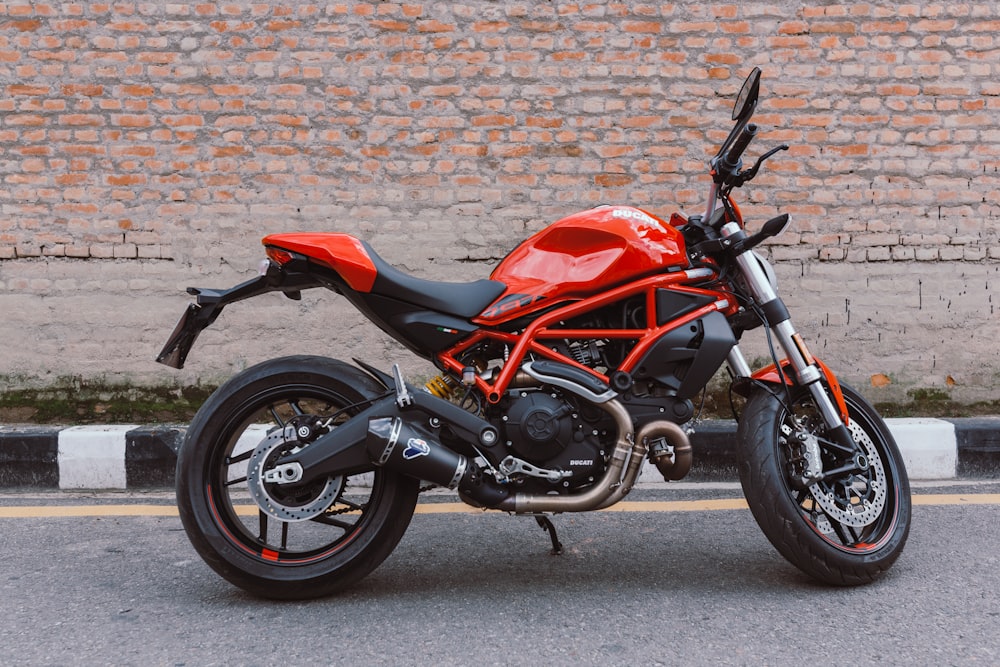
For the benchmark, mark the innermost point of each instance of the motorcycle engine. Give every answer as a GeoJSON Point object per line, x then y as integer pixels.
{"type": "Point", "coordinates": [550, 432]}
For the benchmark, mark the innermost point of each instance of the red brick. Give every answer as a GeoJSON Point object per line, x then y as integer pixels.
{"type": "Point", "coordinates": [392, 25]}
{"type": "Point", "coordinates": [653, 27]}
{"type": "Point", "coordinates": [23, 25]}
{"type": "Point", "coordinates": [182, 121]}
{"type": "Point", "coordinates": [27, 89]}
{"type": "Point", "coordinates": [433, 25]}
{"type": "Point", "coordinates": [279, 26]}
{"type": "Point", "coordinates": [612, 180]}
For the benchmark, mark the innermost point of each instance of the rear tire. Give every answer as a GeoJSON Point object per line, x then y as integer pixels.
{"type": "Point", "coordinates": [846, 530]}
{"type": "Point", "coordinates": [280, 541]}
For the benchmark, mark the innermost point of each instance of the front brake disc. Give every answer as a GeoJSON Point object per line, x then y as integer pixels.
{"type": "Point", "coordinates": [855, 500]}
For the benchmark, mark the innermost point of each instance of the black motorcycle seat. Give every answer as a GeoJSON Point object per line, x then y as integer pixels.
{"type": "Point", "coordinates": [465, 300]}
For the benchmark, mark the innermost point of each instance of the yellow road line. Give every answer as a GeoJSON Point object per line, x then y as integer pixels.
{"type": "Point", "coordinates": [722, 504]}
{"type": "Point", "coordinates": [958, 499]}
{"type": "Point", "coordinates": [679, 505]}
{"type": "Point", "coordinates": [79, 511]}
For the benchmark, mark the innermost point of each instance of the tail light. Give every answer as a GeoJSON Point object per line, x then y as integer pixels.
{"type": "Point", "coordinates": [279, 256]}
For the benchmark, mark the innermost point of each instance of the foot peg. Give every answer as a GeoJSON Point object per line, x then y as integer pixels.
{"type": "Point", "coordinates": [403, 397]}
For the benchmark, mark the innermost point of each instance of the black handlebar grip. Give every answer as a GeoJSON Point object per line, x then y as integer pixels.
{"type": "Point", "coordinates": [732, 158]}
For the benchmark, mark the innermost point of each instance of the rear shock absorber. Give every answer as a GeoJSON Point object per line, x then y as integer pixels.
{"type": "Point", "coordinates": [442, 386]}
{"type": "Point", "coordinates": [448, 387]}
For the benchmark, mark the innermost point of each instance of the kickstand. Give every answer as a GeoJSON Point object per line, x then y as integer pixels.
{"type": "Point", "coordinates": [546, 525]}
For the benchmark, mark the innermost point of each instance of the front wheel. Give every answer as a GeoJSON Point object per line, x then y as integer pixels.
{"type": "Point", "coordinates": [850, 526]}
{"type": "Point", "coordinates": [278, 540]}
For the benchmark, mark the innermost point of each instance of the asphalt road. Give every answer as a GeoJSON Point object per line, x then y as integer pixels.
{"type": "Point", "coordinates": [111, 579]}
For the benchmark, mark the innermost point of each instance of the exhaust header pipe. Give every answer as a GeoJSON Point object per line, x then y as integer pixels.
{"type": "Point", "coordinates": [400, 445]}
{"type": "Point", "coordinates": [622, 472]}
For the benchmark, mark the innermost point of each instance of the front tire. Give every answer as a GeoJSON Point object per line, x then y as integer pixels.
{"type": "Point", "coordinates": [281, 541]}
{"type": "Point", "coordinates": [847, 529]}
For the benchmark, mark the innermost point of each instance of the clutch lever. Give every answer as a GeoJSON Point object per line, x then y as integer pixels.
{"type": "Point", "coordinates": [748, 175]}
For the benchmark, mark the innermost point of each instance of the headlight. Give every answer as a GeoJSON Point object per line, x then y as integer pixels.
{"type": "Point", "coordinates": [768, 270]}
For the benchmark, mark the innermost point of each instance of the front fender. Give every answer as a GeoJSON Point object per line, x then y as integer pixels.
{"type": "Point", "coordinates": [770, 375]}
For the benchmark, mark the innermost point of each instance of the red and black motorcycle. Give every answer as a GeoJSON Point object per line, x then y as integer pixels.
{"type": "Point", "coordinates": [575, 362]}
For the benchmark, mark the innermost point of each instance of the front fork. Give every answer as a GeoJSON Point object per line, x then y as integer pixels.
{"type": "Point", "coordinates": [808, 371]}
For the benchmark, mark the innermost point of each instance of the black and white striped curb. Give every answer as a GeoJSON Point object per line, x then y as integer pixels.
{"type": "Point", "coordinates": [131, 457]}
{"type": "Point", "coordinates": [89, 457]}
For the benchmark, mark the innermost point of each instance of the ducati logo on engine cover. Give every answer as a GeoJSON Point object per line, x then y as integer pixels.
{"type": "Point", "coordinates": [416, 447]}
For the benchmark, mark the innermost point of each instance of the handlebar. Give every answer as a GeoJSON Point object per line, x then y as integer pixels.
{"type": "Point", "coordinates": [731, 161]}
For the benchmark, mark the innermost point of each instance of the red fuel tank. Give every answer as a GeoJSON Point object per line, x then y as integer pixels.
{"type": "Point", "coordinates": [583, 254]}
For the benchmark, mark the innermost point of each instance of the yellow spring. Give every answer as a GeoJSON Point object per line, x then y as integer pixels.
{"type": "Point", "coordinates": [441, 386]}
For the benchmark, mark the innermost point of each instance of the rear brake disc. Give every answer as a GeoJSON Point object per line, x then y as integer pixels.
{"type": "Point", "coordinates": [286, 502]}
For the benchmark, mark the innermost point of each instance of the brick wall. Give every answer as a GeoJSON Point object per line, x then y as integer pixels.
{"type": "Point", "coordinates": [147, 146]}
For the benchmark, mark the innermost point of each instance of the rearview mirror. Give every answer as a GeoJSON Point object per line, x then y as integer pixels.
{"type": "Point", "coordinates": [746, 101]}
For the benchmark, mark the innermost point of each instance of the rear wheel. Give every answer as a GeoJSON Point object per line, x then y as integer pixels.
{"type": "Point", "coordinates": [849, 527]}
{"type": "Point", "coordinates": [278, 540]}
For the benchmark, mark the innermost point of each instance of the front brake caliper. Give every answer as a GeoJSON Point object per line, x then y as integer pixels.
{"type": "Point", "coordinates": [805, 459]}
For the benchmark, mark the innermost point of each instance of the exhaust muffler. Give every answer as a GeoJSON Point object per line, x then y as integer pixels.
{"type": "Point", "coordinates": [399, 445]}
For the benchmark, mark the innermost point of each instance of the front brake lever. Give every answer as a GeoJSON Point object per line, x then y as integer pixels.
{"type": "Point", "coordinates": [748, 175]}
